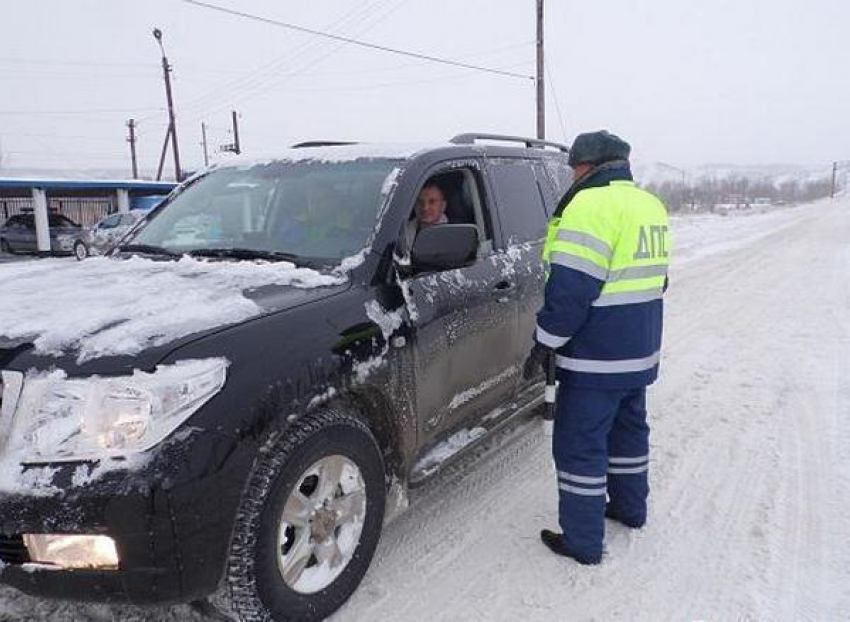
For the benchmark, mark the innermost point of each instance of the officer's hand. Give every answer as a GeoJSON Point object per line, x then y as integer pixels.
{"type": "Point", "coordinates": [535, 362]}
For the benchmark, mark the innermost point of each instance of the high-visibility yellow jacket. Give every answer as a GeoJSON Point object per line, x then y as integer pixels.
{"type": "Point", "coordinates": [607, 255]}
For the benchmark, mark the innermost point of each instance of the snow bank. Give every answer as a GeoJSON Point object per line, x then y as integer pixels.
{"type": "Point", "coordinates": [699, 235]}
{"type": "Point", "coordinates": [101, 307]}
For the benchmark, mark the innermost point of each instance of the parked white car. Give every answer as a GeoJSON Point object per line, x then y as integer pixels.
{"type": "Point", "coordinates": [99, 238]}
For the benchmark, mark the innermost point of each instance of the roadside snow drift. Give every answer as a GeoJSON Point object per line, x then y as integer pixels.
{"type": "Point", "coordinates": [101, 307]}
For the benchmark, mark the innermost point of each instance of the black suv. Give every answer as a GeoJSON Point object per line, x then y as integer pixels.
{"type": "Point", "coordinates": [266, 366]}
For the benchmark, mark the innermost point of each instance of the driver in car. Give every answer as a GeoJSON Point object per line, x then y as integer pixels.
{"type": "Point", "coordinates": [430, 210]}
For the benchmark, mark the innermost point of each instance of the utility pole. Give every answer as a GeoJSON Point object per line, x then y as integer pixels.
{"type": "Point", "coordinates": [234, 147]}
{"type": "Point", "coordinates": [162, 154]}
{"type": "Point", "coordinates": [172, 122]}
{"type": "Point", "coordinates": [541, 93]}
{"type": "Point", "coordinates": [204, 143]}
{"type": "Point", "coordinates": [131, 125]}
{"type": "Point", "coordinates": [238, 149]}
{"type": "Point", "coordinates": [832, 186]}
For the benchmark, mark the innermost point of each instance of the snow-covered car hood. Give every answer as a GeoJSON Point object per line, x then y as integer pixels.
{"type": "Point", "coordinates": [78, 313]}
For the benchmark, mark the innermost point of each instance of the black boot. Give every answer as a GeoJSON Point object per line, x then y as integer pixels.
{"type": "Point", "coordinates": [556, 544]}
{"type": "Point", "coordinates": [631, 524]}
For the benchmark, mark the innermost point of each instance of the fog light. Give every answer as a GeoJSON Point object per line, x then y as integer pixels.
{"type": "Point", "coordinates": [71, 551]}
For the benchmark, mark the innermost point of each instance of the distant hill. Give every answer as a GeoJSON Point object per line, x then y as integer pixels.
{"type": "Point", "coordinates": [658, 173]}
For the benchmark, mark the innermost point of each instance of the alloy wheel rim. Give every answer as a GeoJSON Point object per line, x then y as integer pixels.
{"type": "Point", "coordinates": [80, 250]}
{"type": "Point", "coordinates": [321, 524]}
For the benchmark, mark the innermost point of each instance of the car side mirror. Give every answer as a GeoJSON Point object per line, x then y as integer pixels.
{"type": "Point", "coordinates": [444, 247]}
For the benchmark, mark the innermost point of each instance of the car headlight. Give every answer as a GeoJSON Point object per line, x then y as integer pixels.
{"type": "Point", "coordinates": [60, 419]}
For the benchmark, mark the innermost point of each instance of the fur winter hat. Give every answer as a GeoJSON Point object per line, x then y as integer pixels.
{"type": "Point", "coordinates": [597, 148]}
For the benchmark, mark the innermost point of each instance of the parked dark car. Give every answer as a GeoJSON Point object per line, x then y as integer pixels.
{"type": "Point", "coordinates": [99, 238]}
{"type": "Point", "coordinates": [253, 463]}
{"type": "Point", "coordinates": [17, 235]}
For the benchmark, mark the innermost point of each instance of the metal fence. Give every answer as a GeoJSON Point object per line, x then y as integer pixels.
{"type": "Point", "coordinates": [83, 211]}
{"type": "Point", "coordinates": [10, 207]}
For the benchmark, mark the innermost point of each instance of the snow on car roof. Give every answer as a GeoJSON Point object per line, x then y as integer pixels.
{"type": "Point", "coordinates": [340, 153]}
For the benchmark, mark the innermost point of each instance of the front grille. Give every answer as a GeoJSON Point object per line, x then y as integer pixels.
{"type": "Point", "coordinates": [12, 550]}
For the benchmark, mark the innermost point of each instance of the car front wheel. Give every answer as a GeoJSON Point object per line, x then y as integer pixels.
{"type": "Point", "coordinates": [309, 523]}
{"type": "Point", "coordinates": [5, 247]}
{"type": "Point", "coordinates": [81, 251]}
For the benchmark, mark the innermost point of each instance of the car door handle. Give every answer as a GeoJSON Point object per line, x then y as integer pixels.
{"type": "Point", "coordinates": [503, 290]}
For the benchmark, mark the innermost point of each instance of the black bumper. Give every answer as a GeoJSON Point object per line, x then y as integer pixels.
{"type": "Point", "coordinates": [172, 538]}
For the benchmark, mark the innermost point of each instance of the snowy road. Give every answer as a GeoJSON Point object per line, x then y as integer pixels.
{"type": "Point", "coordinates": [750, 456]}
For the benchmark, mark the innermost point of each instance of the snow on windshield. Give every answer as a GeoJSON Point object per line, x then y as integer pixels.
{"type": "Point", "coordinates": [102, 307]}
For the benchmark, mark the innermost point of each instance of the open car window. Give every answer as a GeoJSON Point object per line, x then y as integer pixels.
{"type": "Point", "coordinates": [466, 203]}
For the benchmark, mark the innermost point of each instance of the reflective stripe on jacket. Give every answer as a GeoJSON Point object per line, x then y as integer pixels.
{"type": "Point", "coordinates": [607, 256]}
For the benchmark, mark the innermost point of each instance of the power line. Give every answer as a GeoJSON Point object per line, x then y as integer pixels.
{"type": "Point", "coordinates": [373, 46]}
{"type": "Point", "coordinates": [270, 86]}
{"type": "Point", "coordinates": [33, 61]}
{"type": "Point", "coordinates": [406, 66]}
{"type": "Point", "coordinates": [265, 75]}
{"type": "Point", "coordinates": [557, 104]}
{"type": "Point", "coordinates": [72, 112]}
{"type": "Point", "coordinates": [58, 136]}
{"type": "Point", "coordinates": [348, 88]}
{"type": "Point", "coordinates": [68, 154]}
{"type": "Point", "coordinates": [310, 63]}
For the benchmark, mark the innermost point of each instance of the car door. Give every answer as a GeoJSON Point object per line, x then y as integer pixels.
{"type": "Point", "coordinates": [11, 232]}
{"type": "Point", "coordinates": [105, 233]}
{"type": "Point", "coordinates": [464, 328]}
{"type": "Point", "coordinates": [519, 197]}
{"type": "Point", "coordinates": [24, 237]}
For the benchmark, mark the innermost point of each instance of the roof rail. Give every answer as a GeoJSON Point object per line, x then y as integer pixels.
{"type": "Point", "coordinates": [322, 143]}
{"type": "Point", "coordinates": [470, 139]}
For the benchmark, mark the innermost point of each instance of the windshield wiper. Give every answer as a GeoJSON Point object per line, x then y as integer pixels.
{"type": "Point", "coordinates": [250, 253]}
{"type": "Point", "coordinates": [149, 249]}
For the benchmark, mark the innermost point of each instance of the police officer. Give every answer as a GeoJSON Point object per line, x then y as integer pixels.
{"type": "Point", "coordinates": [607, 250]}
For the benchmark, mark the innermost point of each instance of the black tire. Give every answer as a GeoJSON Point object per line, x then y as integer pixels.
{"type": "Point", "coordinates": [254, 589]}
{"type": "Point", "coordinates": [5, 247]}
{"type": "Point", "coordinates": [81, 251]}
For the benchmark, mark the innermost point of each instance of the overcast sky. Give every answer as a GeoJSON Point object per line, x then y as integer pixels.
{"type": "Point", "coordinates": [708, 81]}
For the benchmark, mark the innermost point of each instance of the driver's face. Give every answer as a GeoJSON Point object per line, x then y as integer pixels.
{"type": "Point", "coordinates": [430, 206]}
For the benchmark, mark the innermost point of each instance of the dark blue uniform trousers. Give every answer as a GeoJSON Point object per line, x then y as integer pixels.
{"type": "Point", "coordinates": [601, 445]}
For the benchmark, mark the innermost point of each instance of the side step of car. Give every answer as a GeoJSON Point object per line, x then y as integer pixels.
{"type": "Point", "coordinates": [451, 449]}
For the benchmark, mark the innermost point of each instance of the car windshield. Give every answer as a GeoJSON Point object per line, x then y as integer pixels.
{"type": "Point", "coordinates": [310, 209]}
